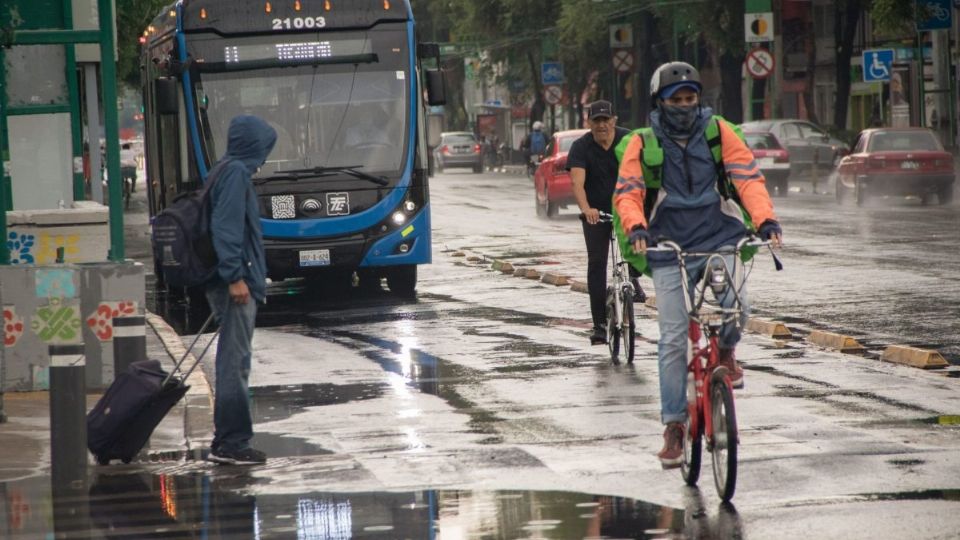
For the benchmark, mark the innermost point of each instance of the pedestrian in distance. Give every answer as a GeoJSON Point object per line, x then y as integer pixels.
{"type": "Point", "coordinates": [592, 163]}
{"type": "Point", "coordinates": [696, 208]}
{"type": "Point", "coordinates": [238, 285]}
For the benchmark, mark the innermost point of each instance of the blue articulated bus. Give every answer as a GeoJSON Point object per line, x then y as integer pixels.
{"type": "Point", "coordinates": [345, 189]}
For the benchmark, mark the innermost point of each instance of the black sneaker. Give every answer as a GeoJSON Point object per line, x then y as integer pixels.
{"type": "Point", "coordinates": [639, 297]}
{"type": "Point", "coordinates": [599, 336]}
{"type": "Point", "coordinates": [247, 456]}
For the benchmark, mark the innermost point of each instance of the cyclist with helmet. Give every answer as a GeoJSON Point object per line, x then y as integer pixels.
{"type": "Point", "coordinates": [534, 143]}
{"type": "Point", "coordinates": [693, 208]}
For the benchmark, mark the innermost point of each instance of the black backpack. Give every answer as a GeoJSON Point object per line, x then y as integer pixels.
{"type": "Point", "coordinates": [182, 243]}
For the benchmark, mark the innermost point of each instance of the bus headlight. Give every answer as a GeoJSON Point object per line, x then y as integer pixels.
{"type": "Point", "coordinates": [399, 218]}
{"type": "Point", "coordinates": [409, 206]}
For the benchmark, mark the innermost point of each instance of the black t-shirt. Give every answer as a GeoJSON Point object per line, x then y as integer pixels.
{"type": "Point", "coordinates": [601, 168]}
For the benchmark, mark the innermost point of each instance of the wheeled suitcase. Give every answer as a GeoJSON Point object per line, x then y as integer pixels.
{"type": "Point", "coordinates": [121, 422]}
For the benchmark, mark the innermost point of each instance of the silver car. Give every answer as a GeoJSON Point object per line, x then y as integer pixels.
{"type": "Point", "coordinates": [806, 142]}
{"type": "Point", "coordinates": [458, 149]}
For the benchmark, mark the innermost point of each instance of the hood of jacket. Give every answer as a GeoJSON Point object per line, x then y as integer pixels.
{"type": "Point", "coordinates": [250, 140]}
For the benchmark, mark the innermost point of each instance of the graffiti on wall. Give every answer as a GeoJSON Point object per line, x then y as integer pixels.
{"type": "Point", "coordinates": [56, 283]}
{"type": "Point", "coordinates": [12, 326]}
{"type": "Point", "coordinates": [57, 323]}
{"type": "Point", "coordinates": [101, 320]}
{"type": "Point", "coordinates": [28, 248]}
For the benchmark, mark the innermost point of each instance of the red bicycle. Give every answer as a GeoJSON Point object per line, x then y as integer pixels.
{"type": "Point", "coordinates": [710, 406]}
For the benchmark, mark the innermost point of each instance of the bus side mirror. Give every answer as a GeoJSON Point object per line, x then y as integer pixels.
{"type": "Point", "coordinates": [436, 87]}
{"type": "Point", "coordinates": [166, 93]}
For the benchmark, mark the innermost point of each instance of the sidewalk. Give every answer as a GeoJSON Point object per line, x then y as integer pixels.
{"type": "Point", "coordinates": [186, 431]}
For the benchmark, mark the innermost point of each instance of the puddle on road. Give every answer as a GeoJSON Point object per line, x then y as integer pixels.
{"type": "Point", "coordinates": [134, 505]}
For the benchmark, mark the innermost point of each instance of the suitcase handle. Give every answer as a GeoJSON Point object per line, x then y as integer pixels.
{"type": "Point", "coordinates": [186, 353]}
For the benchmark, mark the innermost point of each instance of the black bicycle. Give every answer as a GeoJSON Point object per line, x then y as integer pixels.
{"type": "Point", "coordinates": [621, 327]}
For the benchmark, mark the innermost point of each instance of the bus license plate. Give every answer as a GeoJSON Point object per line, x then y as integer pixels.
{"type": "Point", "coordinates": [315, 257]}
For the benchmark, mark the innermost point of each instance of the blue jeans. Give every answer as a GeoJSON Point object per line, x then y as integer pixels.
{"type": "Point", "coordinates": [233, 427]}
{"type": "Point", "coordinates": [673, 321]}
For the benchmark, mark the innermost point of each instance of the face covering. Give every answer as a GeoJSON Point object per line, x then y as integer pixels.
{"type": "Point", "coordinates": [679, 121]}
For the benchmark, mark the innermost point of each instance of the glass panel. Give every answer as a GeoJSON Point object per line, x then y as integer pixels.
{"type": "Point", "coordinates": [36, 75]}
{"type": "Point", "coordinates": [41, 161]}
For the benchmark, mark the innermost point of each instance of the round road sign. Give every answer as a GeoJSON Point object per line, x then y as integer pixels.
{"type": "Point", "coordinates": [623, 60]}
{"type": "Point", "coordinates": [759, 63]}
{"type": "Point", "coordinates": [553, 94]}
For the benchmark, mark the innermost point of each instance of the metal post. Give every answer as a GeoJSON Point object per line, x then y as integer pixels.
{"type": "Point", "coordinates": [108, 77]}
{"type": "Point", "coordinates": [68, 407]}
{"type": "Point", "coordinates": [814, 173]}
{"type": "Point", "coordinates": [93, 132]}
{"type": "Point", "coordinates": [129, 342]}
{"type": "Point", "coordinates": [6, 192]}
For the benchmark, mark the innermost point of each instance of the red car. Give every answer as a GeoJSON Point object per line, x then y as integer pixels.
{"type": "Point", "coordinates": [897, 161]}
{"type": "Point", "coordinates": [552, 185]}
{"type": "Point", "coordinates": [772, 158]}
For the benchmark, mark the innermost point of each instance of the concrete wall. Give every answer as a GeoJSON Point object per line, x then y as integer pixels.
{"type": "Point", "coordinates": [33, 236]}
{"type": "Point", "coordinates": [61, 304]}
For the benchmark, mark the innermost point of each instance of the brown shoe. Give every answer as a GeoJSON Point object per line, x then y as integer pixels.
{"type": "Point", "coordinates": [734, 371]}
{"type": "Point", "coordinates": [671, 456]}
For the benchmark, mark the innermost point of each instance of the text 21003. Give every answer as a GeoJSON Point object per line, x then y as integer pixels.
{"type": "Point", "coordinates": [299, 23]}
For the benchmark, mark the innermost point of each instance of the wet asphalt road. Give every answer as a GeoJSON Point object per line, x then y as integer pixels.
{"type": "Point", "coordinates": [479, 410]}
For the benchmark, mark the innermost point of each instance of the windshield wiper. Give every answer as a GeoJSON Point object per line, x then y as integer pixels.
{"type": "Point", "coordinates": [352, 170]}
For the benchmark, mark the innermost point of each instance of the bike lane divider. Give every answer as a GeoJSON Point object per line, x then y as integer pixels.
{"type": "Point", "coordinates": [837, 342]}
{"type": "Point", "coordinates": [553, 278]}
{"type": "Point", "coordinates": [914, 357]}
{"type": "Point", "coordinates": [771, 329]}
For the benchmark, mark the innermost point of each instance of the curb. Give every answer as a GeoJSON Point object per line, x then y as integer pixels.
{"type": "Point", "coordinates": [198, 416]}
{"type": "Point", "coordinates": [837, 342]}
{"type": "Point", "coordinates": [914, 357]}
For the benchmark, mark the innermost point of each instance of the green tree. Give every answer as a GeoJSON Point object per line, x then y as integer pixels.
{"type": "Point", "coordinates": [133, 17]}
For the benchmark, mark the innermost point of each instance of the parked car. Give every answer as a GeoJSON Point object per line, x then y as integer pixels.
{"type": "Point", "coordinates": [773, 160]}
{"type": "Point", "coordinates": [553, 188]}
{"type": "Point", "coordinates": [897, 161]}
{"type": "Point", "coordinates": [804, 141]}
{"type": "Point", "coordinates": [458, 149]}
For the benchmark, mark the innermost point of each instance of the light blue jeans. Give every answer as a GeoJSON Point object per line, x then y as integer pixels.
{"type": "Point", "coordinates": [233, 427]}
{"type": "Point", "coordinates": [674, 321]}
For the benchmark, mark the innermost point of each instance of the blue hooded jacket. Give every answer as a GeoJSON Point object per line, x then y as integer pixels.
{"type": "Point", "coordinates": [235, 217]}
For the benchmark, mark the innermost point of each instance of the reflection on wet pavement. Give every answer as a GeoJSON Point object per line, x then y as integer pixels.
{"type": "Point", "coordinates": [121, 503]}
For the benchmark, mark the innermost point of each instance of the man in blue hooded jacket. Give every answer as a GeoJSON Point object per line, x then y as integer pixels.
{"type": "Point", "coordinates": [239, 284]}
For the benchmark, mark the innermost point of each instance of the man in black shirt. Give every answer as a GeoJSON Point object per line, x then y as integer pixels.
{"type": "Point", "coordinates": [593, 168]}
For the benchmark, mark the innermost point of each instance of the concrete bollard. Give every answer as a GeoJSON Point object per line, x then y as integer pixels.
{"type": "Point", "coordinates": [68, 415]}
{"type": "Point", "coordinates": [129, 342]}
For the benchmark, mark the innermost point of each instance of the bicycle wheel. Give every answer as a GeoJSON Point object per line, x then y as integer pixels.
{"type": "Point", "coordinates": [724, 448]}
{"type": "Point", "coordinates": [629, 328]}
{"type": "Point", "coordinates": [692, 438]}
{"type": "Point", "coordinates": [613, 327]}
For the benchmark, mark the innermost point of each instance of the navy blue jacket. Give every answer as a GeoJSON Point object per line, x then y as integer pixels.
{"type": "Point", "coordinates": [235, 218]}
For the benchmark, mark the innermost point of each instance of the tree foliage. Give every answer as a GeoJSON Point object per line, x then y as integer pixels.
{"type": "Point", "coordinates": [133, 16]}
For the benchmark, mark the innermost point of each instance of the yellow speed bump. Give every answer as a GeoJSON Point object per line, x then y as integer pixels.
{"type": "Point", "coordinates": [578, 286]}
{"type": "Point", "coordinates": [772, 329]}
{"type": "Point", "coordinates": [553, 278]}
{"type": "Point", "coordinates": [503, 266]}
{"type": "Point", "coordinates": [838, 342]}
{"type": "Point", "coordinates": [913, 356]}
{"type": "Point", "coordinates": [651, 301]}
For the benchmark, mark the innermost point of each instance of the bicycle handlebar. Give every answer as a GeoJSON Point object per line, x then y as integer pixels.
{"type": "Point", "coordinates": [605, 217]}
{"type": "Point", "coordinates": [752, 240]}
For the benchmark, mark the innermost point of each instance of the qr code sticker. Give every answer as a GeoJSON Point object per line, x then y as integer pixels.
{"type": "Point", "coordinates": [284, 207]}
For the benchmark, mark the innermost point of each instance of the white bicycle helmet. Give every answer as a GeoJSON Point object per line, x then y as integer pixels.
{"type": "Point", "coordinates": [538, 125]}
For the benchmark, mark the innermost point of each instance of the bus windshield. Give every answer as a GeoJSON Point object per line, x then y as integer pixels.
{"type": "Point", "coordinates": [335, 99]}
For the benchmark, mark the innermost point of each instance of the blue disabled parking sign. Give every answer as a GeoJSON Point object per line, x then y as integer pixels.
{"type": "Point", "coordinates": [877, 65]}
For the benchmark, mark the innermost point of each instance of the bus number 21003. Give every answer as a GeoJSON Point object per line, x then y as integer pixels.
{"type": "Point", "coordinates": [298, 23]}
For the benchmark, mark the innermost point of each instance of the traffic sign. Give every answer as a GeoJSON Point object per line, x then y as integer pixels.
{"type": "Point", "coordinates": [623, 60]}
{"type": "Point", "coordinates": [934, 15]}
{"type": "Point", "coordinates": [551, 73]}
{"type": "Point", "coordinates": [553, 94]}
{"type": "Point", "coordinates": [621, 35]}
{"type": "Point", "coordinates": [877, 65]}
{"type": "Point", "coordinates": [758, 27]}
{"type": "Point", "coordinates": [759, 63]}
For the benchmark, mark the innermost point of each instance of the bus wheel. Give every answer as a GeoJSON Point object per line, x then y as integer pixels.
{"type": "Point", "coordinates": [402, 281]}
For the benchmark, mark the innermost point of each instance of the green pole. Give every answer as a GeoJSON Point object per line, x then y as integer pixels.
{"type": "Point", "coordinates": [79, 188]}
{"type": "Point", "coordinates": [5, 193]}
{"type": "Point", "coordinates": [108, 77]}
